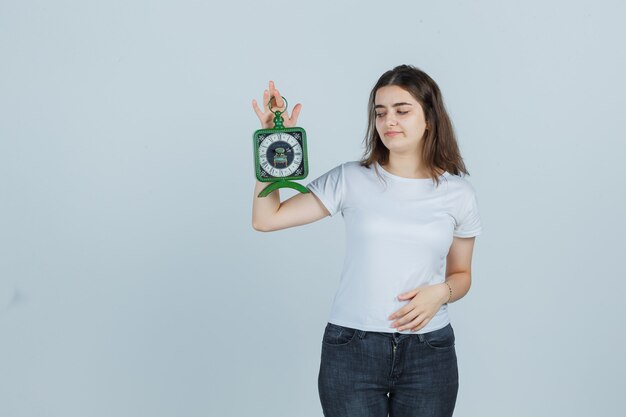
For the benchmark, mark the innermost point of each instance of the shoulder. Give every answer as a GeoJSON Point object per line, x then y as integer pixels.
{"type": "Point", "coordinates": [355, 168]}
{"type": "Point", "coordinates": [461, 194]}
{"type": "Point", "coordinates": [459, 181]}
{"type": "Point", "coordinates": [357, 174]}
{"type": "Point", "coordinates": [459, 187]}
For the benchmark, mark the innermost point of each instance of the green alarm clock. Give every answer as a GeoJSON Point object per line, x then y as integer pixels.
{"type": "Point", "coordinates": [280, 155]}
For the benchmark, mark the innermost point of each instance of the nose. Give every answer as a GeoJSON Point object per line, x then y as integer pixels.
{"type": "Point", "coordinates": [391, 121]}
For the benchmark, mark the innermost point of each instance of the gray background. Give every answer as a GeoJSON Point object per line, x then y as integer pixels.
{"type": "Point", "coordinates": [132, 282]}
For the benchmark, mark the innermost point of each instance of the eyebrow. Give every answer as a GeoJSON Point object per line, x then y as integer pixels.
{"type": "Point", "coordinates": [380, 106]}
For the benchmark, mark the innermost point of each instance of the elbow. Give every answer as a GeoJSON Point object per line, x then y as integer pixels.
{"type": "Point", "coordinates": [259, 227]}
{"type": "Point", "coordinates": [468, 281]}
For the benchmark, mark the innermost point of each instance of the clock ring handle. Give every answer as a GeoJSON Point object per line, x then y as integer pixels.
{"type": "Point", "coordinates": [278, 118]}
{"type": "Point", "coordinates": [269, 105]}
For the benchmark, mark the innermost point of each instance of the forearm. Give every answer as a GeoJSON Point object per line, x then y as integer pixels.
{"type": "Point", "coordinates": [263, 208]}
{"type": "Point", "coordinates": [459, 282]}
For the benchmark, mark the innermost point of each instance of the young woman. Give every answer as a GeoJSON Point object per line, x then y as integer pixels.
{"type": "Point", "coordinates": [388, 347]}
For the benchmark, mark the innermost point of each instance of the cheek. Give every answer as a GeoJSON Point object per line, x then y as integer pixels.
{"type": "Point", "coordinates": [418, 125]}
{"type": "Point", "coordinates": [379, 125]}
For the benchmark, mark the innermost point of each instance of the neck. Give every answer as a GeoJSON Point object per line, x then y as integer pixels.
{"type": "Point", "coordinates": [406, 166]}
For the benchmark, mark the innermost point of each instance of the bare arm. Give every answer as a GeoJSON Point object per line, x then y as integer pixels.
{"type": "Point", "coordinates": [459, 268]}
{"type": "Point", "coordinates": [269, 215]}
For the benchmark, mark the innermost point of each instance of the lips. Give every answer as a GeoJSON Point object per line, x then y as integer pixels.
{"type": "Point", "coordinates": [392, 133]}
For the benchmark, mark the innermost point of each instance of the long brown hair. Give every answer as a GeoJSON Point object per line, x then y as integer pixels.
{"type": "Point", "coordinates": [440, 151]}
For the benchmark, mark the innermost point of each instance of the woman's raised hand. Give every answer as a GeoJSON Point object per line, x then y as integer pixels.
{"type": "Point", "coordinates": [266, 117]}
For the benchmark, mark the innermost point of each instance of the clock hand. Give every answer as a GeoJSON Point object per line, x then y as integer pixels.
{"type": "Point", "coordinates": [288, 149]}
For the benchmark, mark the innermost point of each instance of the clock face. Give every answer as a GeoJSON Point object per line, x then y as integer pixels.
{"type": "Point", "coordinates": [281, 155]}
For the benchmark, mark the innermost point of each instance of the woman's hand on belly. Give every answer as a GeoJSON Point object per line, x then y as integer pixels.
{"type": "Point", "coordinates": [422, 307]}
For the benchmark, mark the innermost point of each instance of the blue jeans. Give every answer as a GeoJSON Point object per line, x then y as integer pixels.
{"type": "Point", "coordinates": [375, 374]}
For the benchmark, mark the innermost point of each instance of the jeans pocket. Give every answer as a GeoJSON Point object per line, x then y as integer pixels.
{"type": "Point", "coordinates": [441, 339]}
{"type": "Point", "coordinates": [336, 335]}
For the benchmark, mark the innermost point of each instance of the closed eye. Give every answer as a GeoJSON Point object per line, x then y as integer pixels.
{"type": "Point", "coordinates": [399, 112]}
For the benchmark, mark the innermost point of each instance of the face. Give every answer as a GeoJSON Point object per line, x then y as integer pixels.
{"type": "Point", "coordinates": [400, 120]}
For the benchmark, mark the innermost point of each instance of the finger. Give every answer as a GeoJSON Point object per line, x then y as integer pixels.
{"type": "Point", "coordinates": [409, 294]}
{"type": "Point", "coordinates": [272, 88]}
{"type": "Point", "coordinates": [403, 322]}
{"type": "Point", "coordinates": [417, 320]}
{"type": "Point", "coordinates": [278, 100]}
{"type": "Point", "coordinates": [272, 92]}
{"type": "Point", "coordinates": [421, 326]}
{"type": "Point", "coordinates": [407, 308]}
{"type": "Point", "coordinates": [398, 313]}
{"type": "Point", "coordinates": [295, 113]}
{"type": "Point", "coordinates": [258, 112]}
{"type": "Point", "coordinates": [266, 99]}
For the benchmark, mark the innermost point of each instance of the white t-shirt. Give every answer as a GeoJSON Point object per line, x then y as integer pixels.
{"type": "Point", "coordinates": [397, 238]}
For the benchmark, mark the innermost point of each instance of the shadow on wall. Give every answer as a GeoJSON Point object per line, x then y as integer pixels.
{"type": "Point", "coordinates": [11, 296]}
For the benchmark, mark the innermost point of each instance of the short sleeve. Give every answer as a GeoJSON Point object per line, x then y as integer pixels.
{"type": "Point", "coordinates": [468, 222]}
{"type": "Point", "coordinates": [329, 189]}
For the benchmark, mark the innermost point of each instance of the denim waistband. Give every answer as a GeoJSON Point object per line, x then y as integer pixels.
{"type": "Point", "coordinates": [396, 336]}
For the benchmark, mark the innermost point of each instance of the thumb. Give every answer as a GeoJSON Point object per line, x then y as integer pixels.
{"type": "Point", "coordinates": [296, 112]}
{"type": "Point", "coordinates": [408, 294]}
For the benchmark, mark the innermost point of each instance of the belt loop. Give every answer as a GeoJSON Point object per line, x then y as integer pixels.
{"type": "Point", "coordinates": [361, 333]}
{"type": "Point", "coordinates": [421, 337]}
